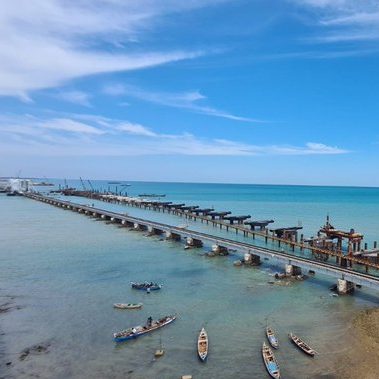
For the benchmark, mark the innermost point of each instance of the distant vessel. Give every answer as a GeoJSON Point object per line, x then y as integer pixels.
{"type": "Point", "coordinates": [146, 286]}
{"type": "Point", "coordinates": [270, 362]}
{"type": "Point", "coordinates": [151, 195]}
{"type": "Point", "coordinates": [128, 305]}
{"type": "Point", "coordinates": [138, 331]}
{"type": "Point", "coordinates": [202, 345]}
{"type": "Point", "coordinates": [302, 345]}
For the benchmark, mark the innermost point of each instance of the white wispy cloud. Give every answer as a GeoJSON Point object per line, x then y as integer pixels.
{"type": "Point", "coordinates": [345, 20]}
{"type": "Point", "coordinates": [135, 129]}
{"type": "Point", "coordinates": [44, 44]}
{"type": "Point", "coordinates": [65, 136]}
{"type": "Point", "coordinates": [75, 97]}
{"type": "Point", "coordinates": [184, 100]}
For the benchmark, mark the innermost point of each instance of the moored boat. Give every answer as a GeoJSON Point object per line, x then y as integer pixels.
{"type": "Point", "coordinates": [128, 305]}
{"type": "Point", "coordinates": [140, 330]}
{"type": "Point", "coordinates": [202, 345]}
{"type": "Point", "coordinates": [272, 338]}
{"type": "Point", "coordinates": [146, 286]}
{"type": "Point", "coordinates": [270, 362]}
{"type": "Point", "coordinates": [302, 345]}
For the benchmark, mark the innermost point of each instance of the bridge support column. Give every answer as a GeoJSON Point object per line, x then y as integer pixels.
{"type": "Point", "coordinates": [172, 236]}
{"type": "Point", "coordinates": [252, 259]}
{"type": "Point", "coordinates": [154, 231]}
{"type": "Point", "coordinates": [219, 250]}
{"type": "Point", "coordinates": [292, 270]}
{"type": "Point", "coordinates": [345, 287]}
{"type": "Point", "coordinates": [194, 242]}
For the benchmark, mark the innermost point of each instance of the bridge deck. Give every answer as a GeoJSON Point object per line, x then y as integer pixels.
{"type": "Point", "coordinates": [363, 279]}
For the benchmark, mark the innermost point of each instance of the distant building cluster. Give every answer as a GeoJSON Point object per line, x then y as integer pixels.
{"type": "Point", "coordinates": [15, 185]}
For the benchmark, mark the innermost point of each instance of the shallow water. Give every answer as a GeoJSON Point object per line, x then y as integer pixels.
{"type": "Point", "coordinates": [65, 271]}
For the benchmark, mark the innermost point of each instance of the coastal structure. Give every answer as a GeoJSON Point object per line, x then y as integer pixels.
{"type": "Point", "coordinates": [345, 277]}
{"type": "Point", "coordinates": [322, 248]}
{"type": "Point", "coordinates": [12, 185]}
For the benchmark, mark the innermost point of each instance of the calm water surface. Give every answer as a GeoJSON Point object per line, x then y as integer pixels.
{"type": "Point", "coordinates": [64, 271]}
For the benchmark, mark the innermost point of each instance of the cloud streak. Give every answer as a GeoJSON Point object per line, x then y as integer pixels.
{"type": "Point", "coordinates": [345, 20]}
{"type": "Point", "coordinates": [184, 100]}
{"type": "Point", "coordinates": [30, 135]}
{"type": "Point", "coordinates": [44, 44]}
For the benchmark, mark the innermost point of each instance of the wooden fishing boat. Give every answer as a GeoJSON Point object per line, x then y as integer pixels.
{"type": "Point", "coordinates": [140, 330]}
{"type": "Point", "coordinates": [270, 362]}
{"type": "Point", "coordinates": [128, 305]}
{"type": "Point", "coordinates": [272, 338]}
{"type": "Point", "coordinates": [302, 345]}
{"type": "Point", "coordinates": [202, 345]}
{"type": "Point", "coordinates": [146, 286]}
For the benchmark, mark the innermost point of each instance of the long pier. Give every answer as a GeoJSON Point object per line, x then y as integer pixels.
{"type": "Point", "coordinates": [345, 276]}
{"type": "Point", "coordinates": [208, 216]}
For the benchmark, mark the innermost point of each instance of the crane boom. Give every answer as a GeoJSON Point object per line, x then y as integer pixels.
{"type": "Point", "coordinates": [83, 185]}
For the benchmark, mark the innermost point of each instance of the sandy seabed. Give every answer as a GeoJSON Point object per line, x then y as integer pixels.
{"type": "Point", "coordinates": [361, 360]}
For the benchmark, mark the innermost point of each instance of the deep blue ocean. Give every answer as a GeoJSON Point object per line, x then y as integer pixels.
{"type": "Point", "coordinates": [61, 272]}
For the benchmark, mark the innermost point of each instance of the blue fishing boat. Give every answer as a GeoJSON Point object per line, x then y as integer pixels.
{"type": "Point", "coordinates": [272, 338]}
{"type": "Point", "coordinates": [146, 286]}
{"type": "Point", "coordinates": [140, 330]}
{"type": "Point", "coordinates": [270, 362]}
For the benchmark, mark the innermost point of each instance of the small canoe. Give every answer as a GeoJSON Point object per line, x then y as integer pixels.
{"type": "Point", "coordinates": [146, 286]}
{"type": "Point", "coordinates": [302, 345]}
{"type": "Point", "coordinates": [202, 345]}
{"type": "Point", "coordinates": [140, 330]}
{"type": "Point", "coordinates": [128, 305]}
{"type": "Point", "coordinates": [272, 338]}
{"type": "Point", "coordinates": [270, 362]}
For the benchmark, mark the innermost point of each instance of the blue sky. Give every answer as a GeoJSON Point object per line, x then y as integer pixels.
{"type": "Point", "coordinates": [258, 91]}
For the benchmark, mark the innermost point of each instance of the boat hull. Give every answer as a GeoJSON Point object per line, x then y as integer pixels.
{"type": "Point", "coordinates": [202, 345]}
{"type": "Point", "coordinates": [299, 344]}
{"type": "Point", "coordinates": [270, 362]}
{"type": "Point", "coordinates": [142, 332]}
{"type": "Point", "coordinates": [146, 288]}
{"type": "Point", "coordinates": [127, 306]}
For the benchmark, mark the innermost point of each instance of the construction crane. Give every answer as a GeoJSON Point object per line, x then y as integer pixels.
{"type": "Point", "coordinates": [91, 186]}
{"type": "Point", "coordinates": [83, 185]}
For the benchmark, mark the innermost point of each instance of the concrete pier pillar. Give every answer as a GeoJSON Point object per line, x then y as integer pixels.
{"type": "Point", "coordinates": [193, 242]}
{"type": "Point", "coordinates": [251, 259]}
{"type": "Point", "coordinates": [345, 287]}
{"type": "Point", "coordinates": [219, 250]}
{"type": "Point", "coordinates": [292, 270]}
{"type": "Point", "coordinates": [172, 236]}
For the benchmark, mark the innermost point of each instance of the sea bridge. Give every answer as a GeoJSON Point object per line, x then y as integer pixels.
{"type": "Point", "coordinates": [346, 277]}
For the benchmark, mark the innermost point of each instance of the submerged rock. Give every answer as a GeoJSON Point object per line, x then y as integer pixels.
{"type": "Point", "coordinates": [35, 349]}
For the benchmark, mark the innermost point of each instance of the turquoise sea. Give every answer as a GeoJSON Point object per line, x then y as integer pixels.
{"type": "Point", "coordinates": [61, 272]}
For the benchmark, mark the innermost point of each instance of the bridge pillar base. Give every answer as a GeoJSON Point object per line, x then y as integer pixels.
{"type": "Point", "coordinates": [172, 236]}
{"type": "Point", "coordinates": [193, 242]}
{"type": "Point", "coordinates": [219, 250]}
{"type": "Point", "coordinates": [154, 231]}
{"type": "Point", "coordinates": [251, 259]}
{"type": "Point", "coordinates": [345, 287]}
{"type": "Point", "coordinates": [292, 270]}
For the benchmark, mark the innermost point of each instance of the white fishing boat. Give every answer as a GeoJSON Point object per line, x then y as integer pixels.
{"type": "Point", "coordinates": [202, 345]}
{"type": "Point", "coordinates": [128, 305]}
